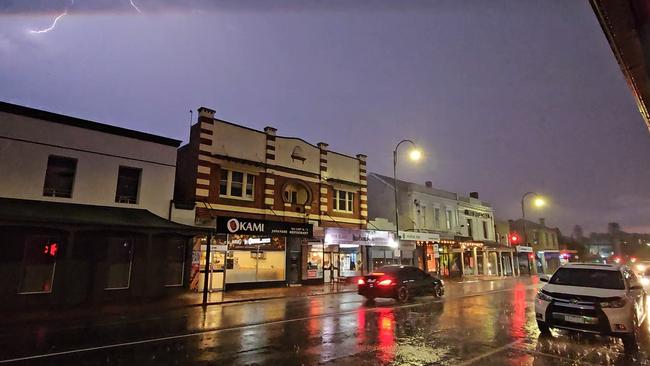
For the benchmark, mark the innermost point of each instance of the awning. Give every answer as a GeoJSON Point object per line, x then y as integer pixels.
{"type": "Point", "coordinates": [43, 212]}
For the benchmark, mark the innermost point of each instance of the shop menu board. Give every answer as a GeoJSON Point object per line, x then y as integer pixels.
{"type": "Point", "coordinates": [249, 242]}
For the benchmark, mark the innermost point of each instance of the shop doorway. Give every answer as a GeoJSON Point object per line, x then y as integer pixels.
{"type": "Point", "coordinates": [216, 264]}
{"type": "Point", "coordinates": [331, 263]}
{"type": "Point", "coordinates": [293, 261]}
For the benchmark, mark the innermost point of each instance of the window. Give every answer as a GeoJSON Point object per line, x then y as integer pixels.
{"type": "Point", "coordinates": [343, 201]}
{"type": "Point", "coordinates": [469, 228]}
{"type": "Point", "coordinates": [175, 260]}
{"type": "Point", "coordinates": [423, 216]}
{"type": "Point", "coordinates": [296, 193]}
{"type": "Point", "coordinates": [436, 217]}
{"type": "Point", "coordinates": [485, 230]}
{"type": "Point", "coordinates": [546, 243]}
{"type": "Point", "coordinates": [448, 217]}
{"type": "Point", "coordinates": [128, 184]}
{"type": "Point", "coordinates": [119, 254]}
{"type": "Point", "coordinates": [39, 262]}
{"type": "Point", "coordinates": [59, 177]}
{"type": "Point", "coordinates": [235, 184]}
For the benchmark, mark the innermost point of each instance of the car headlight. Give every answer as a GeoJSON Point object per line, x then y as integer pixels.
{"type": "Point", "coordinates": [618, 303]}
{"type": "Point", "coordinates": [544, 297]}
{"type": "Point", "coordinates": [645, 281]}
{"type": "Point", "coordinates": [640, 267]}
{"type": "Point", "coordinates": [442, 282]}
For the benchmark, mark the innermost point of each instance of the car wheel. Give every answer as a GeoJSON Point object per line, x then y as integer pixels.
{"type": "Point", "coordinates": [403, 294]}
{"type": "Point", "coordinates": [437, 291]}
{"type": "Point", "coordinates": [630, 340]}
{"type": "Point", "coordinates": [544, 329]}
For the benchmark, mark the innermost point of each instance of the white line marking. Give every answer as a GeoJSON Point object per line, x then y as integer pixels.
{"type": "Point", "coordinates": [488, 354]}
{"type": "Point", "coordinates": [241, 327]}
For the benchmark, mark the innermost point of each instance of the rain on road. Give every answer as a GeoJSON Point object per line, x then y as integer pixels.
{"type": "Point", "coordinates": [477, 323]}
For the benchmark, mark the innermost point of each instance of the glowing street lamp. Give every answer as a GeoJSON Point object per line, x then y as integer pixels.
{"type": "Point", "coordinates": [415, 154]}
{"type": "Point", "coordinates": [538, 202]}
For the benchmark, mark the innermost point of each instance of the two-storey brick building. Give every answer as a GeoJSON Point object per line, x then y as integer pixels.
{"type": "Point", "coordinates": [272, 199]}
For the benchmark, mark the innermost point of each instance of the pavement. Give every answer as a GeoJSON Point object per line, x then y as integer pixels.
{"type": "Point", "coordinates": [488, 322]}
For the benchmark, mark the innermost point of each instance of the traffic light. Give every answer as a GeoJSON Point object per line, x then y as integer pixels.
{"type": "Point", "coordinates": [50, 249]}
{"type": "Point", "coordinates": [514, 238]}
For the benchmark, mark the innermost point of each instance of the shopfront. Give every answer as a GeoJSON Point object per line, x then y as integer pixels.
{"type": "Point", "coordinates": [262, 253]}
{"type": "Point", "coordinates": [355, 252]}
{"type": "Point", "coordinates": [524, 260]}
{"type": "Point", "coordinates": [423, 247]}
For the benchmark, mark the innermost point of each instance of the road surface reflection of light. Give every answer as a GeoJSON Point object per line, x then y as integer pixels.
{"type": "Point", "coordinates": [361, 326]}
{"type": "Point", "coordinates": [386, 323]}
{"type": "Point", "coordinates": [519, 311]}
{"type": "Point", "coordinates": [313, 324]}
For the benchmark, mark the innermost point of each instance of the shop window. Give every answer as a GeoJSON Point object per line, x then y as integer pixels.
{"type": "Point", "coordinates": [343, 201]}
{"type": "Point", "coordinates": [59, 176]}
{"type": "Point", "coordinates": [39, 263]}
{"type": "Point", "coordinates": [296, 194]}
{"type": "Point", "coordinates": [128, 184]}
{"type": "Point", "coordinates": [175, 261]}
{"type": "Point", "coordinates": [119, 257]}
{"type": "Point", "coordinates": [234, 184]}
{"type": "Point", "coordinates": [255, 259]}
{"type": "Point", "coordinates": [312, 261]}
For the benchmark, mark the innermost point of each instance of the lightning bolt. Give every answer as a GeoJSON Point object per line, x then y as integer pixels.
{"type": "Point", "coordinates": [135, 6]}
{"type": "Point", "coordinates": [65, 12]}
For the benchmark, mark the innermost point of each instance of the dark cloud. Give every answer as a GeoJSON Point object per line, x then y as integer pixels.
{"type": "Point", "coordinates": [504, 96]}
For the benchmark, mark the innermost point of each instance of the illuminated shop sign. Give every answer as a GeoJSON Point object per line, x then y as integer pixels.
{"type": "Point", "coordinates": [236, 225]}
{"type": "Point", "coordinates": [477, 214]}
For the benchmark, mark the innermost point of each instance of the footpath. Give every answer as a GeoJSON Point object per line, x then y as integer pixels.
{"type": "Point", "coordinates": [466, 285]}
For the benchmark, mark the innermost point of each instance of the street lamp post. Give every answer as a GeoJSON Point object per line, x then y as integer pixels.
{"type": "Point", "coordinates": [539, 202]}
{"type": "Point", "coordinates": [415, 154]}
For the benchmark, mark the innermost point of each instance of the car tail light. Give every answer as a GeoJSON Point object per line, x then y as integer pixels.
{"type": "Point", "coordinates": [386, 282]}
{"type": "Point", "coordinates": [360, 281]}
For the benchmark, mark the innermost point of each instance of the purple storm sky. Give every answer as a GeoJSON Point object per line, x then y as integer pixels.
{"type": "Point", "coordinates": [503, 96]}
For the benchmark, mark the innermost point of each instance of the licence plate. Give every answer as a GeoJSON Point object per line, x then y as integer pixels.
{"type": "Point", "coordinates": [371, 285]}
{"type": "Point", "coordinates": [574, 319]}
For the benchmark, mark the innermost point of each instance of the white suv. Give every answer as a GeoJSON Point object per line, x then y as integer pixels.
{"type": "Point", "coordinates": [605, 299]}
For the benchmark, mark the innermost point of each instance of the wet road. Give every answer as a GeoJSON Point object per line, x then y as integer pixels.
{"type": "Point", "coordinates": [479, 323]}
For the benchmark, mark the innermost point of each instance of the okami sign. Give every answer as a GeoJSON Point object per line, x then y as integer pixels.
{"type": "Point", "coordinates": [236, 225]}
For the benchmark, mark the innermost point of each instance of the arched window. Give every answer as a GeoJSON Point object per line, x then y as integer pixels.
{"type": "Point", "coordinates": [296, 193]}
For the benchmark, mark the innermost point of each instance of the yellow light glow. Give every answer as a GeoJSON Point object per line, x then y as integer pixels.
{"type": "Point", "coordinates": [539, 202]}
{"type": "Point", "coordinates": [415, 154]}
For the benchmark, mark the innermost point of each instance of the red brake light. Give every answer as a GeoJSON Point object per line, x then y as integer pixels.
{"type": "Point", "coordinates": [377, 274]}
{"type": "Point", "coordinates": [361, 281]}
{"type": "Point", "coordinates": [386, 282]}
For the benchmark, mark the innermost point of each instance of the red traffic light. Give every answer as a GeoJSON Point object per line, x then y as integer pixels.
{"type": "Point", "coordinates": [51, 249]}
{"type": "Point", "coordinates": [514, 238]}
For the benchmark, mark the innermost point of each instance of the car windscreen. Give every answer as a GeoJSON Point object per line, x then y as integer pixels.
{"type": "Point", "coordinates": [580, 277]}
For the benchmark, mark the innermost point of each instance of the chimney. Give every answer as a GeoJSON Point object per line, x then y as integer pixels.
{"type": "Point", "coordinates": [428, 184]}
{"type": "Point", "coordinates": [542, 221]}
{"type": "Point", "coordinates": [473, 195]}
{"type": "Point", "coordinates": [270, 130]}
{"type": "Point", "coordinates": [206, 112]}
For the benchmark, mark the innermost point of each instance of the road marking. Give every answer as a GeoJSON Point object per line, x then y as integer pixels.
{"type": "Point", "coordinates": [489, 353]}
{"type": "Point", "coordinates": [240, 327]}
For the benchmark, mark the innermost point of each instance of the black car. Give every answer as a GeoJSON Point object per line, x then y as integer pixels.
{"type": "Point", "coordinates": [399, 282]}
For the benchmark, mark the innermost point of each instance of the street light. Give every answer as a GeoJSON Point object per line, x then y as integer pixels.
{"type": "Point", "coordinates": [415, 154]}
{"type": "Point", "coordinates": [539, 201]}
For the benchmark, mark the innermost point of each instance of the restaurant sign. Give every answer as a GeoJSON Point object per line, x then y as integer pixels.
{"type": "Point", "coordinates": [235, 225]}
